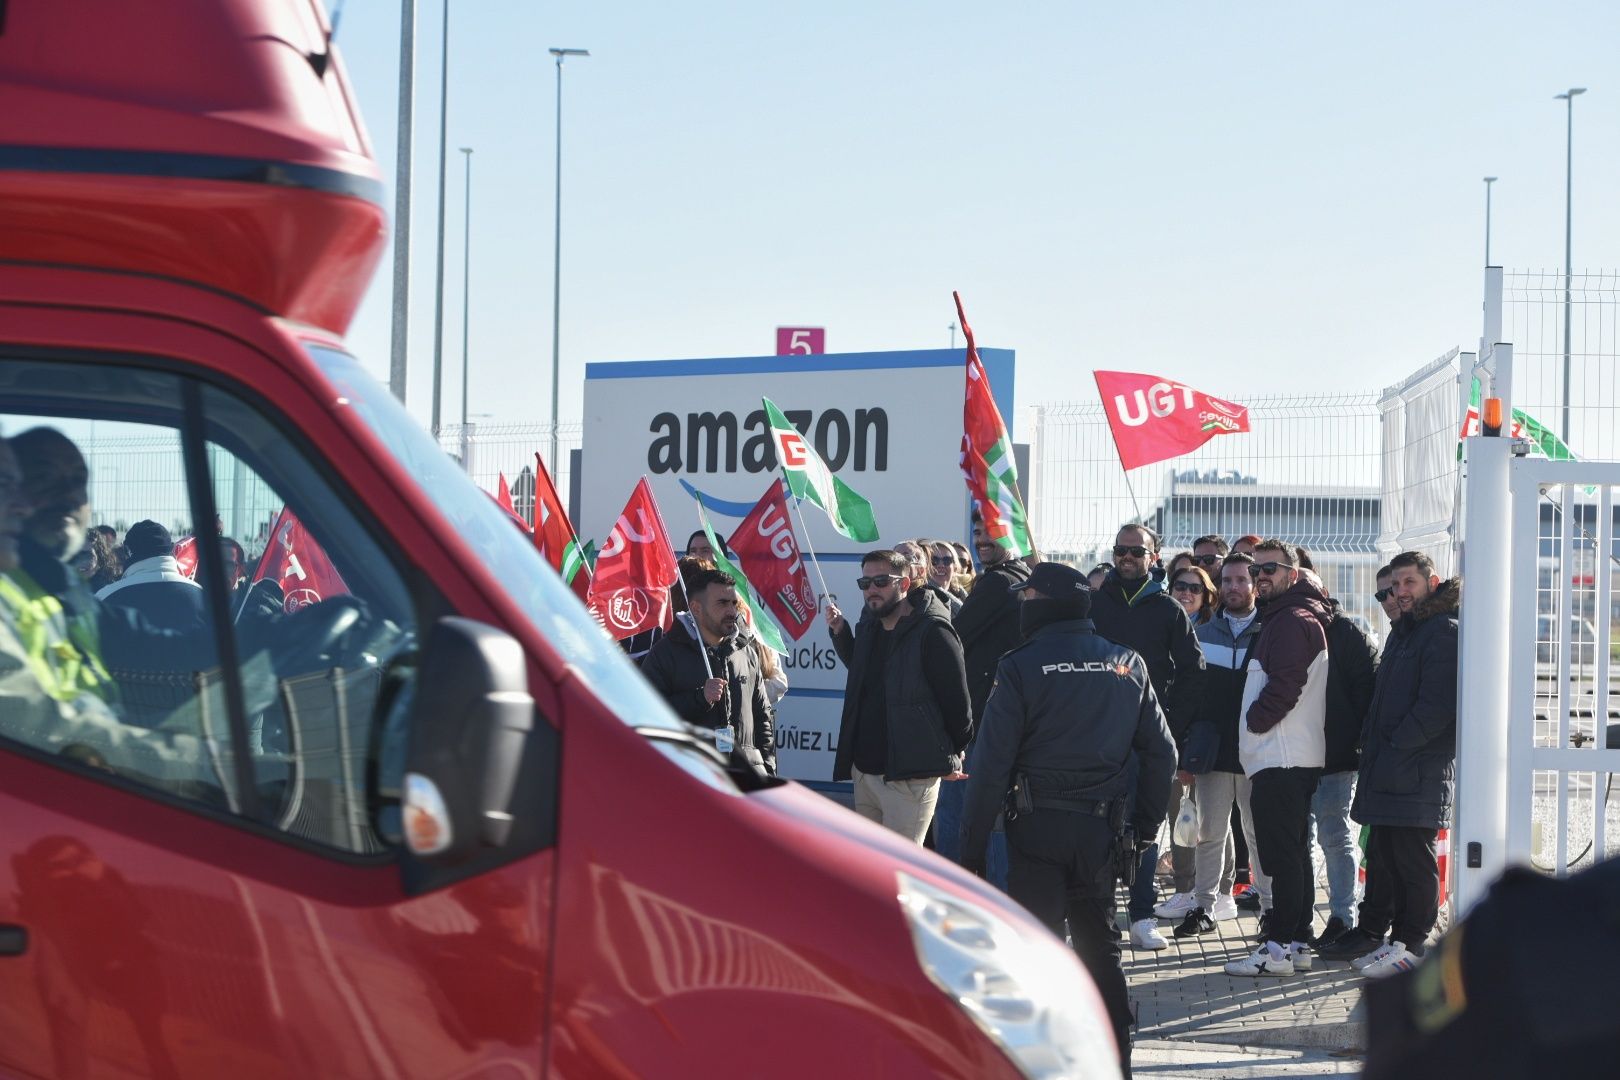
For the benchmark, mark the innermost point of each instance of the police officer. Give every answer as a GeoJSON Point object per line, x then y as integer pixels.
{"type": "Point", "coordinates": [1070, 715]}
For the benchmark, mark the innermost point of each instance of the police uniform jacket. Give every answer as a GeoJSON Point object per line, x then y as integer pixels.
{"type": "Point", "coordinates": [1068, 710]}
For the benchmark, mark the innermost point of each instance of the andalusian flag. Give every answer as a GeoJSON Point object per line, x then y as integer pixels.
{"type": "Point", "coordinates": [754, 610]}
{"type": "Point", "coordinates": [987, 457]}
{"type": "Point", "coordinates": [1546, 443]}
{"type": "Point", "coordinates": [809, 478]}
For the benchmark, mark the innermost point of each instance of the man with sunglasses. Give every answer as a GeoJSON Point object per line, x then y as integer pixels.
{"type": "Point", "coordinates": [1386, 594]}
{"type": "Point", "coordinates": [1207, 553]}
{"type": "Point", "coordinates": [1282, 743]}
{"type": "Point", "coordinates": [906, 718]}
{"type": "Point", "coordinates": [1134, 610]}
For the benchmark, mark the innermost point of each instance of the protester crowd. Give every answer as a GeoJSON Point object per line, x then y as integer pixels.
{"type": "Point", "coordinates": [1041, 725]}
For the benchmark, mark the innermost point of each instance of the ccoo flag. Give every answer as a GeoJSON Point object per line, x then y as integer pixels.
{"type": "Point", "coordinates": [298, 564]}
{"type": "Point", "coordinates": [809, 478]}
{"type": "Point", "coordinates": [753, 605]}
{"type": "Point", "coordinates": [1155, 418]}
{"type": "Point", "coordinates": [987, 457]}
{"type": "Point", "coordinates": [630, 592]}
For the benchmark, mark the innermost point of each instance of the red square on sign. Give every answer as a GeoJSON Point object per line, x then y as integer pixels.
{"type": "Point", "coordinates": [801, 340]}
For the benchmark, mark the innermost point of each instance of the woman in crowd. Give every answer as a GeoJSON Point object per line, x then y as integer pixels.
{"type": "Point", "coordinates": [943, 569]}
{"type": "Point", "coordinates": [1192, 589]}
{"type": "Point", "coordinates": [1177, 565]}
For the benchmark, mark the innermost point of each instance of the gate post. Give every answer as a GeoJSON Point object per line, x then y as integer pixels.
{"type": "Point", "coordinates": [1479, 840]}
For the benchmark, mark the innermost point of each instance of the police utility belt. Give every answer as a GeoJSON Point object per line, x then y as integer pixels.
{"type": "Point", "coordinates": [1022, 800]}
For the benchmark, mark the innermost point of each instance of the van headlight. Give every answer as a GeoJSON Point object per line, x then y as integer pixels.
{"type": "Point", "coordinates": [1046, 1015]}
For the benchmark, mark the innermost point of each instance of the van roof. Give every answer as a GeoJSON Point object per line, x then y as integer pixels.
{"type": "Point", "coordinates": [189, 138]}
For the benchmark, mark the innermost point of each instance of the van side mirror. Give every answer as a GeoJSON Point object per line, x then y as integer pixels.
{"type": "Point", "coordinates": [469, 716]}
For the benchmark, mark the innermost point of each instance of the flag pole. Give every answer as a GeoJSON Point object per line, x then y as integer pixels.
{"type": "Point", "coordinates": [1127, 474]}
{"type": "Point", "coordinates": [804, 531]}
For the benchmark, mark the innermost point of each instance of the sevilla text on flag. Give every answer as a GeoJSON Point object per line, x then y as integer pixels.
{"type": "Point", "coordinates": [1154, 418]}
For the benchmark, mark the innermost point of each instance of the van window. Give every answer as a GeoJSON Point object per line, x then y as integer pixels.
{"type": "Point", "coordinates": [113, 656]}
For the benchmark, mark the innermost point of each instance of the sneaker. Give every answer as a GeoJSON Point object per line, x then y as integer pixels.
{"type": "Point", "coordinates": [1350, 945]}
{"type": "Point", "coordinates": [1264, 933]}
{"type": "Point", "coordinates": [1335, 926]}
{"type": "Point", "coordinates": [1225, 908]}
{"type": "Point", "coordinates": [1261, 962]}
{"type": "Point", "coordinates": [1362, 963]}
{"type": "Point", "coordinates": [1299, 954]}
{"type": "Point", "coordinates": [1248, 897]}
{"type": "Point", "coordinates": [1145, 935]}
{"type": "Point", "coordinates": [1196, 922]}
{"type": "Point", "coordinates": [1177, 906]}
{"type": "Point", "coordinates": [1394, 961]}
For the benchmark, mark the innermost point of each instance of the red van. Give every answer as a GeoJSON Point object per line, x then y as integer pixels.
{"type": "Point", "coordinates": [415, 816]}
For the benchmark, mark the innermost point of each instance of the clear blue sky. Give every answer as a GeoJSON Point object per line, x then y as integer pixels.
{"type": "Point", "coordinates": [1257, 197]}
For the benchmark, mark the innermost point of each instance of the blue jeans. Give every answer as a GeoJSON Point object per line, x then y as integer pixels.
{"type": "Point", "coordinates": [1332, 829]}
{"type": "Point", "coordinates": [948, 831]}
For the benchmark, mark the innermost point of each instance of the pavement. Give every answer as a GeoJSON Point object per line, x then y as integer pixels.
{"type": "Point", "coordinates": [1194, 1020]}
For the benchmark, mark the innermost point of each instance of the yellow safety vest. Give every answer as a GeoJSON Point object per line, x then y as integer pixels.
{"type": "Point", "coordinates": [63, 653]}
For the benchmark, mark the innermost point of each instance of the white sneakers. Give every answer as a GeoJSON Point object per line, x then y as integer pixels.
{"type": "Point", "coordinates": [1145, 935]}
{"type": "Point", "coordinates": [1176, 907]}
{"type": "Point", "coordinates": [1300, 954]}
{"type": "Point", "coordinates": [1225, 908]}
{"type": "Point", "coordinates": [1263, 961]}
{"type": "Point", "coordinates": [1392, 959]}
{"type": "Point", "coordinates": [1361, 963]}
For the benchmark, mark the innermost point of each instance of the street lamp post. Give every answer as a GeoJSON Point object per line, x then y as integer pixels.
{"type": "Point", "coordinates": [556, 266]}
{"type": "Point", "coordinates": [1489, 180]}
{"type": "Point", "coordinates": [466, 281]}
{"type": "Point", "coordinates": [399, 337]}
{"type": "Point", "coordinates": [1569, 194]}
{"type": "Point", "coordinates": [438, 278]}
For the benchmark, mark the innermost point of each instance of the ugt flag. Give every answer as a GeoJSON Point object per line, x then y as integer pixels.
{"type": "Point", "coordinates": [765, 545]}
{"type": "Point", "coordinates": [554, 535]}
{"type": "Point", "coordinates": [809, 478]}
{"type": "Point", "coordinates": [630, 591]}
{"type": "Point", "coordinates": [748, 598]}
{"type": "Point", "coordinates": [1154, 418]}
{"type": "Point", "coordinates": [987, 457]}
{"type": "Point", "coordinates": [296, 562]}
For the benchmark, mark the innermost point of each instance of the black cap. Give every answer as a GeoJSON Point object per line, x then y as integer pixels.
{"type": "Point", "coordinates": [146, 539]}
{"type": "Point", "coordinates": [1056, 580]}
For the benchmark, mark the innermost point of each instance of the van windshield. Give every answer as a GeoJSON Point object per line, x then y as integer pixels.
{"type": "Point", "coordinates": [528, 580]}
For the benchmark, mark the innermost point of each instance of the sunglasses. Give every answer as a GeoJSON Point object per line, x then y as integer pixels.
{"type": "Point", "coordinates": [1206, 560]}
{"type": "Point", "coordinates": [1256, 569]}
{"type": "Point", "coordinates": [882, 581]}
{"type": "Point", "coordinates": [943, 560]}
{"type": "Point", "coordinates": [1384, 594]}
{"type": "Point", "coordinates": [1187, 586]}
{"type": "Point", "coordinates": [1137, 550]}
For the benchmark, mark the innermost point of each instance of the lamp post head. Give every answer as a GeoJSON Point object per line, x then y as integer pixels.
{"type": "Point", "coordinates": [1570, 94]}
{"type": "Point", "coordinates": [561, 53]}
{"type": "Point", "coordinates": [466, 149]}
{"type": "Point", "coordinates": [1490, 179]}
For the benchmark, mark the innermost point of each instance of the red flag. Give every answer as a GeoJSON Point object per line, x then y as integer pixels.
{"type": "Point", "coordinates": [503, 495]}
{"type": "Point", "coordinates": [295, 561]}
{"type": "Point", "coordinates": [769, 555]}
{"type": "Point", "coordinates": [1154, 418]}
{"type": "Point", "coordinates": [987, 457]}
{"type": "Point", "coordinates": [554, 533]}
{"type": "Point", "coordinates": [185, 554]}
{"type": "Point", "coordinates": [630, 591]}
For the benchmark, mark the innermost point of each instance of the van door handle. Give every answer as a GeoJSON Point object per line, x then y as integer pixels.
{"type": "Point", "coordinates": [13, 940]}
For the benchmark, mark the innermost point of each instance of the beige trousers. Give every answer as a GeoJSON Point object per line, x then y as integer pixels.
{"type": "Point", "coordinates": [906, 806]}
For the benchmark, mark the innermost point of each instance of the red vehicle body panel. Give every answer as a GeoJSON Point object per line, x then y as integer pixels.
{"type": "Point", "coordinates": [181, 182]}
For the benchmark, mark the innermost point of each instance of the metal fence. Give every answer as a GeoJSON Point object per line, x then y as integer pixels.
{"type": "Point", "coordinates": [1308, 472]}
{"type": "Point", "coordinates": [1533, 320]}
{"type": "Point", "coordinates": [489, 451]}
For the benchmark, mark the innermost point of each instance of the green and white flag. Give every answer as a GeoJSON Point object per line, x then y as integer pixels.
{"type": "Point", "coordinates": [759, 616]}
{"type": "Point", "coordinates": [809, 478]}
{"type": "Point", "coordinates": [1546, 443]}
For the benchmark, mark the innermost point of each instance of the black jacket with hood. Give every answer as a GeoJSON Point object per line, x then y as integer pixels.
{"type": "Point", "coordinates": [988, 626]}
{"type": "Point", "coordinates": [1409, 744]}
{"type": "Point", "coordinates": [925, 692]}
{"type": "Point", "coordinates": [675, 669]}
{"type": "Point", "coordinates": [1352, 669]}
{"type": "Point", "coordinates": [1155, 627]}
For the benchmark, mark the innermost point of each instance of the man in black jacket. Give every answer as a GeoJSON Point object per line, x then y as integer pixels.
{"type": "Point", "coordinates": [1132, 609]}
{"type": "Point", "coordinates": [726, 691]}
{"type": "Point", "coordinates": [906, 721]}
{"type": "Point", "coordinates": [1074, 720]}
{"type": "Point", "coordinates": [1352, 666]}
{"type": "Point", "coordinates": [1408, 773]}
{"type": "Point", "coordinates": [988, 626]}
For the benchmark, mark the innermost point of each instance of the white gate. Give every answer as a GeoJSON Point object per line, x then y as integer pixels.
{"type": "Point", "coordinates": [1536, 692]}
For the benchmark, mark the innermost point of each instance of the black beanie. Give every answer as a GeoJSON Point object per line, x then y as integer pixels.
{"type": "Point", "coordinates": [146, 539]}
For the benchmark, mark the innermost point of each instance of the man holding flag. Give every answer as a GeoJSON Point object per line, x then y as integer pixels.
{"type": "Point", "coordinates": [711, 677]}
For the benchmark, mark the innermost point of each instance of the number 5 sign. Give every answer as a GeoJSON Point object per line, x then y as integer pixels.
{"type": "Point", "coordinates": [801, 340]}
